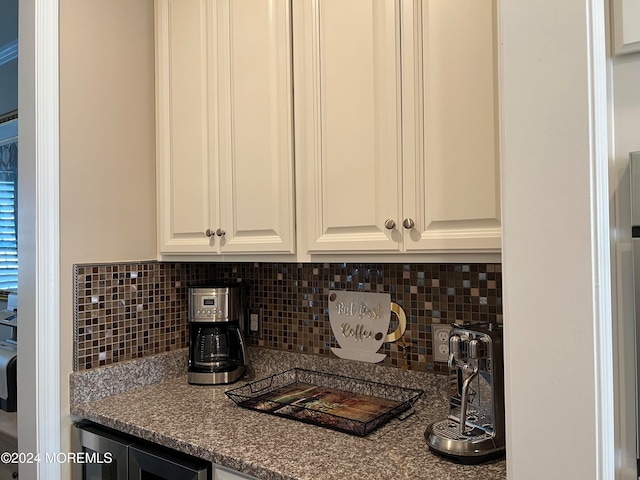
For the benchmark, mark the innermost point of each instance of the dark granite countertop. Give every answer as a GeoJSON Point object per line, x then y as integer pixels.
{"type": "Point", "coordinates": [203, 421]}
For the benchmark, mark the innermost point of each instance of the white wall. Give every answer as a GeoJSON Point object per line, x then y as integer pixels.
{"type": "Point", "coordinates": [107, 147]}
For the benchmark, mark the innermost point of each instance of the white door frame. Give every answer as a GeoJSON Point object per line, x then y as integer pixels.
{"type": "Point", "coordinates": [556, 249]}
{"type": "Point", "coordinates": [39, 415]}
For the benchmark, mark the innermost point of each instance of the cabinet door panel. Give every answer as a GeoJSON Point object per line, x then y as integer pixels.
{"type": "Point", "coordinates": [254, 105]}
{"type": "Point", "coordinates": [186, 208]}
{"type": "Point", "coordinates": [452, 175]}
{"type": "Point", "coordinates": [348, 92]}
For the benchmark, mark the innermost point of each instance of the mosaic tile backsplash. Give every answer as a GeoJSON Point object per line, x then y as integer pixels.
{"type": "Point", "coordinates": [126, 311]}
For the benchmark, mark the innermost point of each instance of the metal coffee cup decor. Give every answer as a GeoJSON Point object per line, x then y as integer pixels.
{"type": "Point", "coordinates": [360, 322]}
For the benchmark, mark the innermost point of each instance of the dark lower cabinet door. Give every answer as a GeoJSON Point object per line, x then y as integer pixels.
{"type": "Point", "coordinates": [102, 471]}
{"type": "Point", "coordinates": [103, 456]}
{"type": "Point", "coordinates": [152, 464]}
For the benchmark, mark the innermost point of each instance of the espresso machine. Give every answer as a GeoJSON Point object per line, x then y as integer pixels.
{"type": "Point", "coordinates": [474, 431]}
{"type": "Point", "coordinates": [217, 352]}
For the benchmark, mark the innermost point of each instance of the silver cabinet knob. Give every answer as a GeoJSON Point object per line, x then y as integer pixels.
{"type": "Point", "coordinates": [408, 223]}
{"type": "Point", "coordinates": [389, 224]}
{"type": "Point", "coordinates": [209, 232]}
{"type": "Point", "coordinates": [220, 232]}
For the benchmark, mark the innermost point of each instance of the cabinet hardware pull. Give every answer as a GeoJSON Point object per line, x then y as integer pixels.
{"type": "Point", "coordinates": [389, 224]}
{"type": "Point", "coordinates": [209, 232]}
{"type": "Point", "coordinates": [408, 223]}
{"type": "Point", "coordinates": [220, 232]}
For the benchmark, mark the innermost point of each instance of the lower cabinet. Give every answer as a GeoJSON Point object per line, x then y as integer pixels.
{"type": "Point", "coordinates": [104, 454]}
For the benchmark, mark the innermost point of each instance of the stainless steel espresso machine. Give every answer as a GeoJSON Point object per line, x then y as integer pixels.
{"type": "Point", "coordinates": [474, 430]}
{"type": "Point", "coordinates": [217, 352]}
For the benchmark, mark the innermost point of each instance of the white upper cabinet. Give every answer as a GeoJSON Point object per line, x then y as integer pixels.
{"type": "Point", "coordinates": [224, 126]}
{"type": "Point", "coordinates": [348, 121]}
{"type": "Point", "coordinates": [451, 158]}
{"type": "Point", "coordinates": [396, 125]}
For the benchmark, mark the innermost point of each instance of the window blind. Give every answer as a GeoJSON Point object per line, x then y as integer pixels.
{"type": "Point", "coordinates": [8, 237]}
{"type": "Point", "coordinates": [9, 201]}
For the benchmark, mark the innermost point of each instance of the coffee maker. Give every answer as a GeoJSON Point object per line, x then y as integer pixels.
{"type": "Point", "coordinates": [217, 352]}
{"type": "Point", "coordinates": [474, 430]}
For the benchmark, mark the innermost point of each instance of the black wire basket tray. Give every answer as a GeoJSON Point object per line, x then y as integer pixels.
{"type": "Point", "coordinates": [341, 403]}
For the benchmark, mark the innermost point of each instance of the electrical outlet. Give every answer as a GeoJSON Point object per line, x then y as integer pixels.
{"type": "Point", "coordinates": [440, 340]}
{"type": "Point", "coordinates": [255, 322]}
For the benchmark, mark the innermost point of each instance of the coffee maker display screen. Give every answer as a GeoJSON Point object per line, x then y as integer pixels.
{"type": "Point", "coordinates": [208, 302]}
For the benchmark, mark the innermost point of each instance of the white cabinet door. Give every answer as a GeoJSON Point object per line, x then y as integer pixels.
{"type": "Point", "coordinates": [396, 125]}
{"type": "Point", "coordinates": [255, 119]}
{"type": "Point", "coordinates": [451, 176]}
{"type": "Point", "coordinates": [348, 130]}
{"type": "Point", "coordinates": [187, 205]}
{"type": "Point", "coordinates": [225, 141]}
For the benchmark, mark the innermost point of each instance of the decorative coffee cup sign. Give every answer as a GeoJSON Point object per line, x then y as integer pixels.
{"type": "Point", "coordinates": [360, 322]}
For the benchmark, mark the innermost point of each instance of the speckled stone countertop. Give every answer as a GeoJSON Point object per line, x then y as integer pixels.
{"type": "Point", "coordinates": [202, 421]}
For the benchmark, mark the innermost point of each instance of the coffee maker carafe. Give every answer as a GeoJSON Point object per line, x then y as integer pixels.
{"type": "Point", "coordinates": [216, 344]}
{"type": "Point", "coordinates": [474, 430]}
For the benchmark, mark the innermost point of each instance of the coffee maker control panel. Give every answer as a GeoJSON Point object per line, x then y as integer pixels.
{"type": "Point", "coordinates": [209, 308]}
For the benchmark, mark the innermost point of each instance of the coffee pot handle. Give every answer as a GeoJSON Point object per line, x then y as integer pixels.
{"type": "Point", "coordinates": [402, 323]}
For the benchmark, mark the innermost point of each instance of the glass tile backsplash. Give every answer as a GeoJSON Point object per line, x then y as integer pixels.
{"type": "Point", "coordinates": [132, 310]}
